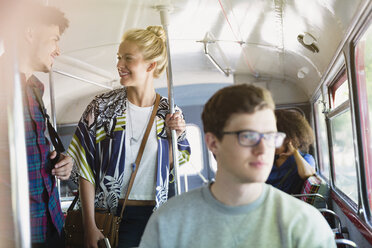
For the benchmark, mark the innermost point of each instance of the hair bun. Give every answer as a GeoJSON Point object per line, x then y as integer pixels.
{"type": "Point", "coordinates": [158, 31]}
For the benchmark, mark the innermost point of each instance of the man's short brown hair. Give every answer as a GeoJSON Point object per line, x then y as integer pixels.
{"type": "Point", "coordinates": [242, 98]}
{"type": "Point", "coordinates": [36, 13]}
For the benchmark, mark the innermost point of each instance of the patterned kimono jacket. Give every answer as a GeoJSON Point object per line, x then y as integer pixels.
{"type": "Point", "coordinates": [98, 148]}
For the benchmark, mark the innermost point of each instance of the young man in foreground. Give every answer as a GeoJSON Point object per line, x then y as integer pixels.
{"type": "Point", "coordinates": [239, 209]}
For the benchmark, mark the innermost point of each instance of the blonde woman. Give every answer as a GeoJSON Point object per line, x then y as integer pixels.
{"type": "Point", "coordinates": [110, 132]}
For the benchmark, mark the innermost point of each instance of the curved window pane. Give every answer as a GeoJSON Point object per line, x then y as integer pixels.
{"type": "Point", "coordinates": [195, 164]}
{"type": "Point", "coordinates": [364, 81]}
{"type": "Point", "coordinates": [342, 93]}
{"type": "Point", "coordinates": [345, 177]}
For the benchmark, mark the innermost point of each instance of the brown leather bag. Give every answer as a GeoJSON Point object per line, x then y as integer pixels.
{"type": "Point", "coordinates": [106, 222]}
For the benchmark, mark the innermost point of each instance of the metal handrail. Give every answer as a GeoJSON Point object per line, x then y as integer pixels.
{"type": "Point", "coordinates": [18, 158]}
{"type": "Point", "coordinates": [85, 80]}
{"type": "Point", "coordinates": [54, 119]}
{"type": "Point", "coordinates": [324, 210]}
{"type": "Point", "coordinates": [313, 195]}
{"type": "Point", "coordinates": [163, 9]}
{"type": "Point", "coordinates": [346, 242]}
{"type": "Point", "coordinates": [214, 62]}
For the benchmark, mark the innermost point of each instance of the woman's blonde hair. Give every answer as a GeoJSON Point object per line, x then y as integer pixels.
{"type": "Point", "coordinates": [152, 43]}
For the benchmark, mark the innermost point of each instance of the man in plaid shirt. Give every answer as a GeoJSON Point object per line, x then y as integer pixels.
{"type": "Point", "coordinates": [38, 46]}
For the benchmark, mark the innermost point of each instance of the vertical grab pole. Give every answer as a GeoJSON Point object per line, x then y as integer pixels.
{"type": "Point", "coordinates": [17, 155]}
{"type": "Point", "coordinates": [52, 99]}
{"type": "Point", "coordinates": [53, 112]}
{"type": "Point", "coordinates": [54, 118]}
{"type": "Point", "coordinates": [164, 21]}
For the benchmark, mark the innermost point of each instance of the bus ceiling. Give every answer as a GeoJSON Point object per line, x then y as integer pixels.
{"type": "Point", "coordinates": [286, 46]}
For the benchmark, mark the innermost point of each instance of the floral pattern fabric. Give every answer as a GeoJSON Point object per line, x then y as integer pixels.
{"type": "Point", "coordinates": [98, 148]}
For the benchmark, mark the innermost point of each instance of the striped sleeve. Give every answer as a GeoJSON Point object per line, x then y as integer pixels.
{"type": "Point", "coordinates": [184, 151]}
{"type": "Point", "coordinates": [82, 150]}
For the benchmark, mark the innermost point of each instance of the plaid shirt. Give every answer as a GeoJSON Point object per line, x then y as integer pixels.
{"type": "Point", "coordinates": [44, 198]}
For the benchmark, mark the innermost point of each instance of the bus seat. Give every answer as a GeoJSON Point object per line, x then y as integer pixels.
{"type": "Point", "coordinates": [315, 191]}
{"type": "Point", "coordinates": [312, 197]}
{"type": "Point", "coordinates": [341, 232]}
{"type": "Point", "coordinates": [323, 190]}
{"type": "Point", "coordinates": [337, 229]}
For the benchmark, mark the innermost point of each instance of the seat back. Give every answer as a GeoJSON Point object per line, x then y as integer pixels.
{"type": "Point", "coordinates": [311, 186]}
{"type": "Point", "coordinates": [315, 191]}
{"type": "Point", "coordinates": [323, 190]}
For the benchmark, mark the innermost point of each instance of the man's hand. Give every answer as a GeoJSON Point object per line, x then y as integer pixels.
{"type": "Point", "coordinates": [62, 169]}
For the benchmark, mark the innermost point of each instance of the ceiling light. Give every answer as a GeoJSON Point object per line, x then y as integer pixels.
{"type": "Point", "coordinates": [302, 72]}
{"type": "Point", "coordinates": [308, 39]}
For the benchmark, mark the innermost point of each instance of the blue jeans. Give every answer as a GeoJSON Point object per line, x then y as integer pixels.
{"type": "Point", "coordinates": [133, 225]}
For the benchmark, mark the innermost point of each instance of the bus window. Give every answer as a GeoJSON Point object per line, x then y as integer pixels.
{"type": "Point", "coordinates": [68, 187]}
{"type": "Point", "coordinates": [322, 139]}
{"type": "Point", "coordinates": [364, 84]}
{"type": "Point", "coordinates": [339, 91]}
{"type": "Point", "coordinates": [345, 177]}
{"type": "Point", "coordinates": [342, 148]}
{"type": "Point", "coordinates": [341, 94]}
{"type": "Point", "coordinates": [195, 164]}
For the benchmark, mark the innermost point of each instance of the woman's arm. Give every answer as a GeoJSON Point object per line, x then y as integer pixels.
{"type": "Point", "coordinates": [304, 169]}
{"type": "Point", "coordinates": [91, 232]}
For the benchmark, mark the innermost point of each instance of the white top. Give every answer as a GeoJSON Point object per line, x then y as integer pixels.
{"type": "Point", "coordinates": [136, 124]}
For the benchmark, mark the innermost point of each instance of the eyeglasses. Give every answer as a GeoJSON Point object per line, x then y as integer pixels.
{"type": "Point", "coordinates": [250, 138]}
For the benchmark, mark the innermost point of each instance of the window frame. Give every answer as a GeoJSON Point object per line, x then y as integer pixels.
{"type": "Point", "coordinates": [335, 84]}
{"type": "Point", "coordinates": [320, 98]}
{"type": "Point", "coordinates": [363, 123]}
{"type": "Point", "coordinates": [342, 76]}
{"type": "Point", "coordinates": [360, 217]}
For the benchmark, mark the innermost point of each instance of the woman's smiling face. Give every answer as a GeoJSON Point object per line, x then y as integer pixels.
{"type": "Point", "coordinates": [132, 67]}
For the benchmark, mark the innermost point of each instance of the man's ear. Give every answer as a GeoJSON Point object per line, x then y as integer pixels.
{"type": "Point", "coordinates": [212, 142]}
{"type": "Point", "coordinates": [151, 66]}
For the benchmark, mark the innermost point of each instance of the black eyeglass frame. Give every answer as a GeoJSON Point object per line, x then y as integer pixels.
{"type": "Point", "coordinates": [262, 135]}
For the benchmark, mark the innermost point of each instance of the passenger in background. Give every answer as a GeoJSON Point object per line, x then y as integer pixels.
{"type": "Point", "coordinates": [109, 134]}
{"type": "Point", "coordinates": [40, 28]}
{"type": "Point", "coordinates": [239, 209]}
{"type": "Point", "coordinates": [292, 164]}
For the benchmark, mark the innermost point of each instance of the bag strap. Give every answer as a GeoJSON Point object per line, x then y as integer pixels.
{"type": "Point", "coordinates": [53, 135]}
{"type": "Point", "coordinates": [136, 164]}
{"type": "Point", "coordinates": [72, 205]}
{"type": "Point", "coordinates": [285, 177]}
